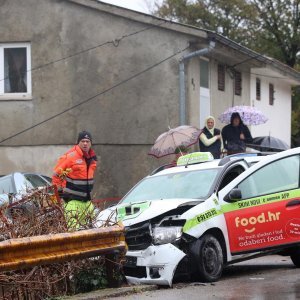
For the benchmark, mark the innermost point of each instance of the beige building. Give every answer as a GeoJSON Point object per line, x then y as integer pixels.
{"type": "Point", "coordinates": [69, 65]}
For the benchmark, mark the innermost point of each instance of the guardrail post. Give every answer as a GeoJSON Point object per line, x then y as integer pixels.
{"type": "Point", "coordinates": [112, 266]}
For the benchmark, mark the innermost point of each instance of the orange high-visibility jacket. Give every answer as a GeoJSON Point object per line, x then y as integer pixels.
{"type": "Point", "coordinates": [75, 174]}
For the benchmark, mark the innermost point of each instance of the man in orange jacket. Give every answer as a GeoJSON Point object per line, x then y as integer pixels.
{"type": "Point", "coordinates": [74, 177]}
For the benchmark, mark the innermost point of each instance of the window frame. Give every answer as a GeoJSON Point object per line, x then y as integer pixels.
{"type": "Point", "coordinates": [204, 67]}
{"type": "Point", "coordinates": [238, 83]}
{"type": "Point", "coordinates": [221, 77]}
{"type": "Point", "coordinates": [16, 96]}
{"type": "Point", "coordinates": [258, 89]}
{"type": "Point", "coordinates": [271, 94]}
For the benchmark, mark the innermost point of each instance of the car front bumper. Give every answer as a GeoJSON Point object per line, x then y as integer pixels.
{"type": "Point", "coordinates": [156, 263]}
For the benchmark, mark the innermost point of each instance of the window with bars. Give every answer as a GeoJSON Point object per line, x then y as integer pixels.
{"type": "Point", "coordinates": [237, 83]}
{"type": "Point", "coordinates": [221, 77]}
{"type": "Point", "coordinates": [271, 94]}
{"type": "Point", "coordinates": [258, 89]}
{"type": "Point", "coordinates": [15, 75]}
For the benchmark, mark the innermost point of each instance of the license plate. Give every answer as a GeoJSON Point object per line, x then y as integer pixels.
{"type": "Point", "coordinates": [130, 261]}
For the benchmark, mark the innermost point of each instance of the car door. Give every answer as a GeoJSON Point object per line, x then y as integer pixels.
{"type": "Point", "coordinates": [262, 211]}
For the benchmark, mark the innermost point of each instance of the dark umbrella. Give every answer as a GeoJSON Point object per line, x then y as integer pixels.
{"type": "Point", "coordinates": [268, 143]}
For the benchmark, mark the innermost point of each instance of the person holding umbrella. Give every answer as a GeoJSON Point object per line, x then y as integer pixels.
{"type": "Point", "coordinates": [235, 135]}
{"type": "Point", "coordinates": [179, 151]}
{"type": "Point", "coordinates": [210, 139]}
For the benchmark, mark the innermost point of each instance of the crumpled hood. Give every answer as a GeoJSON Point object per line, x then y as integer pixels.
{"type": "Point", "coordinates": [134, 213]}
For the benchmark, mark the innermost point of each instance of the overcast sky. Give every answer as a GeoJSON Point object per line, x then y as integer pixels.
{"type": "Point", "coordinates": [139, 5]}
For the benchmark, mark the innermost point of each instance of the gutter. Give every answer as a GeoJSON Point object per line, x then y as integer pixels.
{"type": "Point", "coordinates": [183, 59]}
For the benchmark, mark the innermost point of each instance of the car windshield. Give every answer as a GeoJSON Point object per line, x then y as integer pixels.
{"type": "Point", "coordinates": [35, 180]}
{"type": "Point", "coordinates": [192, 184]}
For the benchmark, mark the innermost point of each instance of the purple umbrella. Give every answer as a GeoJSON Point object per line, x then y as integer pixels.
{"type": "Point", "coordinates": [250, 115]}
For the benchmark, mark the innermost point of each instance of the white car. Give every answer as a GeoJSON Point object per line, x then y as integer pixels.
{"type": "Point", "coordinates": [15, 185]}
{"type": "Point", "coordinates": [177, 219]}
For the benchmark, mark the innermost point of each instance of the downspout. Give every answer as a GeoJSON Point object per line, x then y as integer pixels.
{"type": "Point", "coordinates": [182, 104]}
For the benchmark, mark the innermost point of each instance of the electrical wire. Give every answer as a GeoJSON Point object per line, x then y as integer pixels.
{"type": "Point", "coordinates": [97, 95]}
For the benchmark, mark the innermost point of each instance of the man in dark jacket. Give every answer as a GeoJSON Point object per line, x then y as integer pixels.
{"type": "Point", "coordinates": [235, 135]}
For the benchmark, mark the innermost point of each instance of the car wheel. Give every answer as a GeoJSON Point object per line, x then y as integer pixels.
{"type": "Point", "coordinates": [210, 261]}
{"type": "Point", "coordinates": [295, 257]}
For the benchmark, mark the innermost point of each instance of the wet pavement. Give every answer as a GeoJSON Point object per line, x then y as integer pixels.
{"type": "Point", "coordinates": [265, 278]}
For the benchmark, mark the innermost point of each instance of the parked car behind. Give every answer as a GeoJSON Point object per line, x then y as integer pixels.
{"type": "Point", "coordinates": [16, 185]}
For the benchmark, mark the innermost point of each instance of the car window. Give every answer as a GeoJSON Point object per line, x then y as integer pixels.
{"type": "Point", "coordinates": [230, 175]}
{"type": "Point", "coordinates": [6, 185]}
{"type": "Point", "coordinates": [35, 180]}
{"type": "Point", "coordinates": [194, 184]}
{"type": "Point", "coordinates": [49, 179]}
{"type": "Point", "coordinates": [275, 177]}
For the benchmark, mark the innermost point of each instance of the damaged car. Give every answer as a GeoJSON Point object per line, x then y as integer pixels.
{"type": "Point", "coordinates": [203, 214]}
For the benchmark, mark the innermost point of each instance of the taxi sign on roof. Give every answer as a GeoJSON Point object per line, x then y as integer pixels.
{"type": "Point", "coordinates": [194, 158]}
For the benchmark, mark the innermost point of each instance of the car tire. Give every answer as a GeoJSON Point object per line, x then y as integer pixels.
{"type": "Point", "coordinates": [210, 260]}
{"type": "Point", "coordinates": [295, 257]}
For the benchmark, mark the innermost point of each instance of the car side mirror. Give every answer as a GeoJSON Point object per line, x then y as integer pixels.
{"type": "Point", "coordinates": [234, 195]}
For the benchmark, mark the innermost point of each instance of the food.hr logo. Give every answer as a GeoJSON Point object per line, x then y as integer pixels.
{"type": "Point", "coordinates": [262, 218]}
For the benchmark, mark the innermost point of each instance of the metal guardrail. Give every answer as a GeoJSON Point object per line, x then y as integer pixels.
{"type": "Point", "coordinates": [22, 253]}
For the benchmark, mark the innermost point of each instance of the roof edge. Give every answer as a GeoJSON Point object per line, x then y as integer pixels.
{"type": "Point", "coordinates": [142, 17]}
{"type": "Point", "coordinates": [285, 69]}
{"type": "Point", "coordinates": [186, 29]}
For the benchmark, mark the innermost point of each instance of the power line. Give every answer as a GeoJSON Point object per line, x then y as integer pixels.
{"type": "Point", "coordinates": [114, 42]}
{"type": "Point", "coordinates": [97, 95]}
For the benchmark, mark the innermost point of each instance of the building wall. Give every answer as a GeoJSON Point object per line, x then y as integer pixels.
{"type": "Point", "coordinates": [279, 114]}
{"type": "Point", "coordinates": [222, 100]}
{"type": "Point", "coordinates": [124, 115]}
{"type": "Point", "coordinates": [125, 119]}
{"type": "Point", "coordinates": [38, 159]}
{"type": "Point", "coordinates": [126, 161]}
{"type": "Point", "coordinates": [193, 91]}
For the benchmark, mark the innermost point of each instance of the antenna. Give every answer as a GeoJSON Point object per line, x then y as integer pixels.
{"type": "Point", "coordinates": [187, 163]}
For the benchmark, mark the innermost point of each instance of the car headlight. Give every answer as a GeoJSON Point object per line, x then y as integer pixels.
{"type": "Point", "coordinates": [165, 235]}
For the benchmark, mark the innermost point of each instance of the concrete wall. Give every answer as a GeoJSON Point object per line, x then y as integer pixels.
{"type": "Point", "coordinates": [39, 159]}
{"type": "Point", "coordinates": [124, 122]}
{"type": "Point", "coordinates": [116, 165]}
{"type": "Point", "coordinates": [220, 100]}
{"type": "Point", "coordinates": [279, 114]}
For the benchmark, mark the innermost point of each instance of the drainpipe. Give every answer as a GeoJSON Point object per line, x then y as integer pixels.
{"type": "Point", "coordinates": [182, 106]}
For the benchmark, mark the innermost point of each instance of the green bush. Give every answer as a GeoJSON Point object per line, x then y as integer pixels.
{"type": "Point", "coordinates": [90, 280]}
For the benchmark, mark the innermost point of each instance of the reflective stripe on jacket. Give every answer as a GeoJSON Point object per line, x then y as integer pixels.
{"type": "Point", "coordinates": [75, 174]}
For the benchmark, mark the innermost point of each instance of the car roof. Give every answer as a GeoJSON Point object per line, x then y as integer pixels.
{"type": "Point", "coordinates": [214, 164]}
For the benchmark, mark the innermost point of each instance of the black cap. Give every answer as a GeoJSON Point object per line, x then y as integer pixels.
{"type": "Point", "coordinates": [84, 135]}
